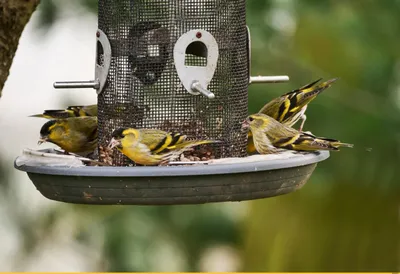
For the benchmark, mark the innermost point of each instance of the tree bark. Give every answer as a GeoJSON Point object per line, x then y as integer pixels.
{"type": "Point", "coordinates": [14, 15]}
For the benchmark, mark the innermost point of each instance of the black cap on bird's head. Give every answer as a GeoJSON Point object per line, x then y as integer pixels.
{"type": "Point", "coordinates": [118, 133]}
{"type": "Point", "coordinates": [45, 131]}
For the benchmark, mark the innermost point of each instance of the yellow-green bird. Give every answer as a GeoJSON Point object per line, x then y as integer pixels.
{"type": "Point", "coordinates": [270, 136]}
{"type": "Point", "coordinates": [76, 134]}
{"type": "Point", "coordinates": [151, 147]}
{"type": "Point", "coordinates": [290, 107]}
{"type": "Point", "coordinates": [71, 111]}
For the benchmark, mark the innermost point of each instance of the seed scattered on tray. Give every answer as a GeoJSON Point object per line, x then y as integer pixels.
{"type": "Point", "coordinates": [203, 153]}
{"type": "Point", "coordinates": [106, 155]}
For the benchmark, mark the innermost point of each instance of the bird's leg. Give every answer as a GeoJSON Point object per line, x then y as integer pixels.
{"type": "Point", "coordinates": [303, 120]}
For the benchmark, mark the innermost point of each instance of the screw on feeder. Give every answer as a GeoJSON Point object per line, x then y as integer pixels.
{"type": "Point", "coordinates": [196, 86]}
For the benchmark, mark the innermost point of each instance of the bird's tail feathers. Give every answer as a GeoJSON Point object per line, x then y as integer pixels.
{"type": "Point", "coordinates": [189, 144]}
{"type": "Point", "coordinates": [310, 84]}
{"type": "Point", "coordinates": [338, 144]}
{"type": "Point", "coordinates": [39, 116]}
{"type": "Point", "coordinates": [314, 91]}
{"type": "Point", "coordinates": [329, 82]}
{"type": "Point", "coordinates": [54, 114]}
{"type": "Point", "coordinates": [332, 143]}
{"type": "Point", "coordinates": [176, 150]}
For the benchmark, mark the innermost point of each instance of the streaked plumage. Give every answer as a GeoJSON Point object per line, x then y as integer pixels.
{"type": "Point", "coordinates": [151, 146]}
{"type": "Point", "coordinates": [290, 107]}
{"type": "Point", "coordinates": [71, 111]}
{"type": "Point", "coordinates": [269, 136]}
{"type": "Point", "coordinates": [77, 134]}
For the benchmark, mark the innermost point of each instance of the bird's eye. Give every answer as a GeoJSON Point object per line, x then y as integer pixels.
{"type": "Point", "coordinates": [251, 119]}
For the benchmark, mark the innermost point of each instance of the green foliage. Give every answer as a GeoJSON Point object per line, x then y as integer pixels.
{"type": "Point", "coordinates": [49, 12]}
{"type": "Point", "coordinates": [346, 218]}
{"type": "Point", "coordinates": [91, 5]}
{"type": "Point", "coordinates": [132, 236]}
{"type": "Point", "coordinates": [314, 231]}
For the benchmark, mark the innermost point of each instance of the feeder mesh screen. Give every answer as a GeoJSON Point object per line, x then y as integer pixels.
{"type": "Point", "coordinates": [143, 89]}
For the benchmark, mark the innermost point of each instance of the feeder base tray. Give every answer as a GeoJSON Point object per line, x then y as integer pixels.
{"type": "Point", "coordinates": [167, 185]}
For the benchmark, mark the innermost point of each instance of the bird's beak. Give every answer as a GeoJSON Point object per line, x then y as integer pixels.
{"type": "Point", "coordinates": [42, 140]}
{"type": "Point", "coordinates": [245, 124]}
{"type": "Point", "coordinates": [113, 143]}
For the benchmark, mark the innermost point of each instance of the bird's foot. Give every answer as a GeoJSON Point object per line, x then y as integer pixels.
{"type": "Point", "coordinates": [303, 120]}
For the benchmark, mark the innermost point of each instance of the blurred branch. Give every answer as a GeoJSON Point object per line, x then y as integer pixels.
{"type": "Point", "coordinates": [14, 15]}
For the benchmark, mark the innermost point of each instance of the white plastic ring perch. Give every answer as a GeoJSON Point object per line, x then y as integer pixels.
{"type": "Point", "coordinates": [196, 79]}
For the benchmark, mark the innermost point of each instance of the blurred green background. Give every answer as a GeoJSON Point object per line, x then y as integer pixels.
{"type": "Point", "coordinates": [346, 218]}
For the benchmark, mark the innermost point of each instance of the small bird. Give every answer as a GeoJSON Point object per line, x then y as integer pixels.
{"type": "Point", "coordinates": [71, 111]}
{"type": "Point", "coordinates": [151, 147]}
{"type": "Point", "coordinates": [290, 107]}
{"type": "Point", "coordinates": [270, 136]}
{"type": "Point", "coordinates": [76, 134]}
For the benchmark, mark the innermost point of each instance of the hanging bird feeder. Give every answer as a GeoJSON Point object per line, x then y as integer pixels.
{"type": "Point", "coordinates": [177, 66]}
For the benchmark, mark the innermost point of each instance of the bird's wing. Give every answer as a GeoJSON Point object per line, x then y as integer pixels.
{"type": "Point", "coordinates": [303, 87]}
{"type": "Point", "coordinates": [158, 141]}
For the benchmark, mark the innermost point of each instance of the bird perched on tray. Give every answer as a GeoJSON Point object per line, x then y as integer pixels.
{"type": "Point", "coordinates": [152, 146]}
{"type": "Point", "coordinates": [290, 107]}
{"type": "Point", "coordinates": [71, 111]}
{"type": "Point", "coordinates": [270, 136]}
{"type": "Point", "coordinates": [76, 134]}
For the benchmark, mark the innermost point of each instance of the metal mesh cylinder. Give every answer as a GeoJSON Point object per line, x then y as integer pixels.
{"type": "Point", "coordinates": [143, 89]}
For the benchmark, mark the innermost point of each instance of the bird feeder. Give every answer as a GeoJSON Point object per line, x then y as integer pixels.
{"type": "Point", "coordinates": [183, 66]}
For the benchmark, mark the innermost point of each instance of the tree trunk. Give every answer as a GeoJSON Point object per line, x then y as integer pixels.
{"type": "Point", "coordinates": [14, 15]}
